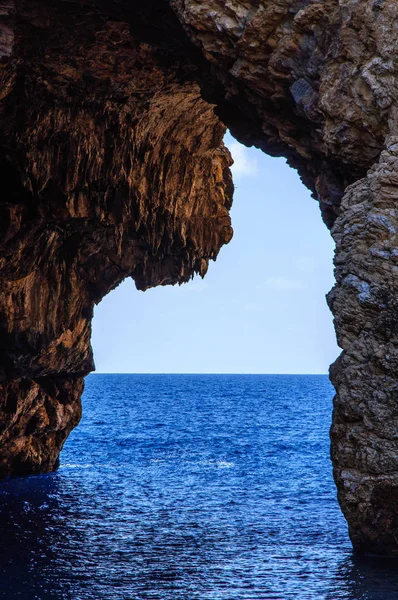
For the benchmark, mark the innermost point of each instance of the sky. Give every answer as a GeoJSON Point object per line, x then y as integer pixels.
{"type": "Point", "coordinates": [261, 307]}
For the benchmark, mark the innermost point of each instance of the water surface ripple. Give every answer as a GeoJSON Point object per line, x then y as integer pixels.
{"type": "Point", "coordinates": [189, 487]}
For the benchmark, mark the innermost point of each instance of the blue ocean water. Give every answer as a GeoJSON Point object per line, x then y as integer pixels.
{"type": "Point", "coordinates": [189, 487]}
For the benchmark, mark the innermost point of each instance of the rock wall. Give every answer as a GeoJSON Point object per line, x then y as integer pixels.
{"type": "Point", "coordinates": [317, 82]}
{"type": "Point", "coordinates": [365, 304]}
{"type": "Point", "coordinates": [112, 166]}
{"type": "Point", "coordinates": [112, 114]}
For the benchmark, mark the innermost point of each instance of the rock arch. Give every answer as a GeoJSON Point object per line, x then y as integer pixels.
{"type": "Point", "coordinates": [111, 118]}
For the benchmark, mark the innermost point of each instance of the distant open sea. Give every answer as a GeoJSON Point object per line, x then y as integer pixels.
{"type": "Point", "coordinates": [189, 487]}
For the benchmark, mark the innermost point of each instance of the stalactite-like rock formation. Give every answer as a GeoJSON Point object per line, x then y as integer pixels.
{"type": "Point", "coordinates": [112, 166]}
{"type": "Point", "coordinates": [112, 114]}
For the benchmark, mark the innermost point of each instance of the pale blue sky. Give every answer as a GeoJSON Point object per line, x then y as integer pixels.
{"type": "Point", "coordinates": [261, 307]}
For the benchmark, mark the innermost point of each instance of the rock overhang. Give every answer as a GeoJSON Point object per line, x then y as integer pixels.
{"type": "Point", "coordinates": [112, 115]}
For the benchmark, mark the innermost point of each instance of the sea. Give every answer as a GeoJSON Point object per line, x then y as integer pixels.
{"type": "Point", "coordinates": [189, 487]}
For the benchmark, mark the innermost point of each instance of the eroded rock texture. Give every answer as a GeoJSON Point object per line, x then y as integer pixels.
{"type": "Point", "coordinates": [112, 114]}
{"type": "Point", "coordinates": [365, 304]}
{"type": "Point", "coordinates": [317, 83]}
{"type": "Point", "coordinates": [112, 166]}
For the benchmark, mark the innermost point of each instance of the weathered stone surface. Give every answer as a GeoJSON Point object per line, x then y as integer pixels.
{"type": "Point", "coordinates": [36, 417]}
{"type": "Point", "coordinates": [365, 304]}
{"type": "Point", "coordinates": [317, 82]}
{"type": "Point", "coordinates": [112, 114]}
{"type": "Point", "coordinates": [112, 166]}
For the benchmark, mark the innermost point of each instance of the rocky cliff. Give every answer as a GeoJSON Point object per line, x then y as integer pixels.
{"type": "Point", "coordinates": [112, 114]}
{"type": "Point", "coordinates": [114, 167]}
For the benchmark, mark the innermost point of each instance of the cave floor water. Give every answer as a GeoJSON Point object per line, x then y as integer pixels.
{"type": "Point", "coordinates": [189, 487]}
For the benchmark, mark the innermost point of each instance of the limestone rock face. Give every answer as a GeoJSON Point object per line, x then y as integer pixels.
{"type": "Point", "coordinates": [318, 83]}
{"type": "Point", "coordinates": [112, 114]}
{"type": "Point", "coordinates": [112, 166]}
{"type": "Point", "coordinates": [365, 304]}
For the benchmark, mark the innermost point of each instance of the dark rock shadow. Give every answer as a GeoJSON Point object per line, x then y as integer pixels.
{"type": "Point", "coordinates": [33, 524]}
{"type": "Point", "coordinates": [366, 578]}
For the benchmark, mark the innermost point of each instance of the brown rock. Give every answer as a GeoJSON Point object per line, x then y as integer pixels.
{"type": "Point", "coordinates": [113, 166]}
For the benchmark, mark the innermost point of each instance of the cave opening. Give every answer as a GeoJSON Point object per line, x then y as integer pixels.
{"type": "Point", "coordinates": [261, 307]}
{"type": "Point", "coordinates": [109, 107]}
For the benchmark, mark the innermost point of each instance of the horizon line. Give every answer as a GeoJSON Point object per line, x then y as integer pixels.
{"type": "Point", "coordinates": [195, 373]}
